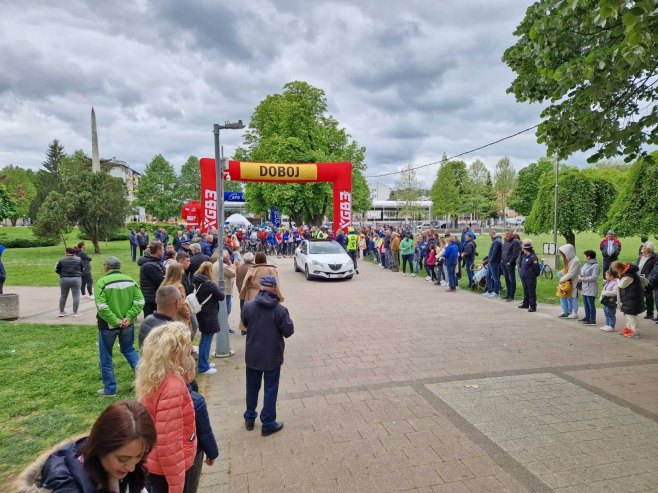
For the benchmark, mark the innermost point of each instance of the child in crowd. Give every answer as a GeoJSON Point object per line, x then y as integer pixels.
{"type": "Point", "coordinates": [160, 386]}
{"type": "Point", "coordinates": [206, 443]}
{"type": "Point", "coordinates": [589, 277]}
{"type": "Point", "coordinates": [631, 296]}
{"type": "Point", "coordinates": [609, 298]}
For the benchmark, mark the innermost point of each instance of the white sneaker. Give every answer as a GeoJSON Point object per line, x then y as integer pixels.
{"type": "Point", "coordinates": [486, 294]}
{"type": "Point", "coordinates": [404, 275]}
{"type": "Point", "coordinates": [213, 365]}
{"type": "Point", "coordinates": [428, 278]}
{"type": "Point", "coordinates": [493, 296]}
{"type": "Point", "coordinates": [413, 275]}
{"type": "Point", "coordinates": [573, 315]}
{"type": "Point", "coordinates": [62, 314]}
{"type": "Point", "coordinates": [211, 371]}
{"type": "Point", "coordinates": [75, 314]}
{"type": "Point", "coordinates": [443, 283]}
{"type": "Point", "coordinates": [607, 328]}
{"type": "Point", "coordinates": [90, 296]}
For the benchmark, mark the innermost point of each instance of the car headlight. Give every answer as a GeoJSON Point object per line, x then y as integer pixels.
{"type": "Point", "coordinates": [315, 262]}
{"type": "Point", "coordinates": [349, 264]}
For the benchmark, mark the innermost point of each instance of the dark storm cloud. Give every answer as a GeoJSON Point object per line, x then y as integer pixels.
{"type": "Point", "coordinates": [408, 80]}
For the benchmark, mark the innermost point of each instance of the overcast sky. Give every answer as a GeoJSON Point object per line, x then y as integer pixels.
{"type": "Point", "coordinates": [409, 80]}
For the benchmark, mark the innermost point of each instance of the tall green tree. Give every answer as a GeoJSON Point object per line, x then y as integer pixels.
{"type": "Point", "coordinates": [527, 185]}
{"type": "Point", "coordinates": [49, 178]}
{"type": "Point", "coordinates": [294, 127]}
{"type": "Point", "coordinates": [407, 189]}
{"type": "Point", "coordinates": [583, 203]}
{"type": "Point", "coordinates": [7, 204]}
{"type": "Point", "coordinates": [449, 189]}
{"type": "Point", "coordinates": [504, 182]}
{"type": "Point", "coordinates": [635, 210]}
{"type": "Point", "coordinates": [21, 190]}
{"type": "Point", "coordinates": [55, 218]}
{"type": "Point", "coordinates": [157, 191]}
{"type": "Point", "coordinates": [99, 205]}
{"type": "Point", "coordinates": [189, 180]}
{"type": "Point", "coordinates": [479, 197]}
{"type": "Point", "coordinates": [595, 63]}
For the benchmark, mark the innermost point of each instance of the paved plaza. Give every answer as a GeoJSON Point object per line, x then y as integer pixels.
{"type": "Point", "coordinates": [393, 384]}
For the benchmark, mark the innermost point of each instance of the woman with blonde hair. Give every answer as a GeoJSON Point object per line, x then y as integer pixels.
{"type": "Point", "coordinates": [161, 387]}
{"type": "Point", "coordinates": [174, 277]}
{"type": "Point", "coordinates": [209, 296]}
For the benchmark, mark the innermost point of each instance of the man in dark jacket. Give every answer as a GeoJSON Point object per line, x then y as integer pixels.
{"type": "Point", "coordinates": [168, 301]}
{"type": "Point", "coordinates": [268, 323]}
{"type": "Point", "coordinates": [468, 255]}
{"type": "Point", "coordinates": [3, 273]}
{"type": "Point", "coordinates": [529, 272]}
{"type": "Point", "coordinates": [610, 247]}
{"type": "Point", "coordinates": [142, 240]}
{"type": "Point", "coordinates": [493, 273]}
{"type": "Point", "coordinates": [509, 258]}
{"type": "Point", "coordinates": [151, 275]}
{"type": "Point", "coordinates": [69, 269]}
{"type": "Point", "coordinates": [646, 263]}
{"type": "Point", "coordinates": [196, 259]}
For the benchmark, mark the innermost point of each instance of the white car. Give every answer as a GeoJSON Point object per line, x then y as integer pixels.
{"type": "Point", "coordinates": [323, 258]}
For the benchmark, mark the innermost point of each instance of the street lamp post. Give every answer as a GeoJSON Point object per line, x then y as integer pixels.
{"type": "Point", "coordinates": [555, 203]}
{"type": "Point", "coordinates": [222, 345]}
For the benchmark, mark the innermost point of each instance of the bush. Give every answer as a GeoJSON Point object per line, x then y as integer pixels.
{"type": "Point", "coordinates": [151, 228]}
{"type": "Point", "coordinates": [25, 242]}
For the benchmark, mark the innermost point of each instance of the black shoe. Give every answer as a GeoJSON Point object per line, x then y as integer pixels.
{"type": "Point", "coordinates": [507, 300]}
{"type": "Point", "coordinates": [356, 270]}
{"type": "Point", "coordinates": [654, 319]}
{"type": "Point", "coordinates": [249, 425]}
{"type": "Point", "coordinates": [649, 316]}
{"type": "Point", "coordinates": [523, 306]}
{"type": "Point", "coordinates": [564, 315]}
{"type": "Point", "coordinates": [583, 320]}
{"type": "Point", "coordinates": [243, 332]}
{"type": "Point", "coordinates": [278, 426]}
{"type": "Point", "coordinates": [532, 309]}
{"type": "Point", "coordinates": [590, 322]}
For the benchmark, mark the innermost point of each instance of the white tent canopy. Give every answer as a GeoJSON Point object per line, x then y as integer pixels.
{"type": "Point", "coordinates": [237, 219]}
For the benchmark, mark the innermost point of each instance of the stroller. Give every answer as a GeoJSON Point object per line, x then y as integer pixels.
{"type": "Point", "coordinates": [480, 276]}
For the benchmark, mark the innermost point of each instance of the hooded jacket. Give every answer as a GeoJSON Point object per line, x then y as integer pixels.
{"type": "Point", "coordinates": [573, 268]}
{"type": "Point", "coordinates": [268, 323]}
{"type": "Point", "coordinates": [59, 470]}
{"type": "Point", "coordinates": [631, 292]}
{"type": "Point", "coordinates": [151, 275]}
{"type": "Point", "coordinates": [590, 278]}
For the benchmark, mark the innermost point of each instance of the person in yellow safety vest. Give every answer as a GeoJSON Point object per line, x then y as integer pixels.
{"type": "Point", "coordinates": [352, 246]}
{"type": "Point", "coordinates": [322, 235]}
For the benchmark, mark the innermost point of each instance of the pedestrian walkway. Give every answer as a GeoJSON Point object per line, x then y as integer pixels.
{"type": "Point", "coordinates": [391, 384]}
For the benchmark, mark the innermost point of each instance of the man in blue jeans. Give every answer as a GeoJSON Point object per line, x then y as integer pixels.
{"type": "Point", "coordinates": [451, 256]}
{"type": "Point", "coordinates": [118, 302]}
{"type": "Point", "coordinates": [493, 272]}
{"type": "Point", "coordinates": [268, 323]}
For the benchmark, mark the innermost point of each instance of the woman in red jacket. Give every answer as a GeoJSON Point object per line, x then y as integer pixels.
{"type": "Point", "coordinates": [161, 388]}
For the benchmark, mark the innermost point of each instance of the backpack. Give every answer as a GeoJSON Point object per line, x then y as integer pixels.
{"type": "Point", "coordinates": [193, 302]}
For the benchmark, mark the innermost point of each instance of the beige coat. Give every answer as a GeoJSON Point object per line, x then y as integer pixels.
{"type": "Point", "coordinates": [229, 277]}
{"type": "Point", "coordinates": [251, 283]}
{"type": "Point", "coordinates": [241, 273]}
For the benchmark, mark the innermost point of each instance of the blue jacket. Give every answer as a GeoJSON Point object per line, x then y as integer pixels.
{"type": "Point", "coordinates": [64, 473]}
{"type": "Point", "coordinates": [206, 247]}
{"type": "Point", "coordinates": [206, 442]}
{"type": "Point", "coordinates": [495, 251]}
{"type": "Point", "coordinates": [529, 265]}
{"type": "Point", "coordinates": [470, 232]}
{"type": "Point", "coordinates": [3, 273]}
{"type": "Point", "coordinates": [451, 254]}
{"type": "Point", "coordinates": [268, 323]}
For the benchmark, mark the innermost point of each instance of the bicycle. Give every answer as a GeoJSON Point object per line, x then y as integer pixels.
{"type": "Point", "coordinates": [545, 269]}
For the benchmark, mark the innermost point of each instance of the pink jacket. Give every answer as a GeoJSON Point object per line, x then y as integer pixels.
{"type": "Point", "coordinates": [172, 411]}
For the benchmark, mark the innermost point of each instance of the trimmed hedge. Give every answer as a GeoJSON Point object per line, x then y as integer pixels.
{"type": "Point", "coordinates": [25, 242]}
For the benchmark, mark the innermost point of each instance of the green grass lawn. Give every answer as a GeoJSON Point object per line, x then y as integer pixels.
{"type": "Point", "coordinates": [36, 266]}
{"type": "Point", "coordinates": [545, 287]}
{"type": "Point", "coordinates": [49, 376]}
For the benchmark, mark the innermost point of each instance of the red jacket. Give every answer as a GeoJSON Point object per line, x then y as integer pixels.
{"type": "Point", "coordinates": [172, 411]}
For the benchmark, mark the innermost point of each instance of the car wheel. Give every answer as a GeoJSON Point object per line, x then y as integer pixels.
{"type": "Point", "coordinates": [306, 273]}
{"type": "Point", "coordinates": [294, 263]}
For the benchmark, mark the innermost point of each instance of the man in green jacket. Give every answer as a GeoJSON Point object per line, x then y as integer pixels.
{"type": "Point", "coordinates": [118, 302]}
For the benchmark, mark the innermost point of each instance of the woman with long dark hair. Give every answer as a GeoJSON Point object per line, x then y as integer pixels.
{"type": "Point", "coordinates": [110, 460]}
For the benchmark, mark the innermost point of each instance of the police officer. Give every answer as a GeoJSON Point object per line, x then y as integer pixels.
{"type": "Point", "coordinates": [352, 246]}
{"type": "Point", "coordinates": [322, 234]}
{"type": "Point", "coordinates": [529, 272]}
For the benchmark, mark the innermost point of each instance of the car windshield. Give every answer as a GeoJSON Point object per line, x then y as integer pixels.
{"type": "Point", "coordinates": [325, 248]}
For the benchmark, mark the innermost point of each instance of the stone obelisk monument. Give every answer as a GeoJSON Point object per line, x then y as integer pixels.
{"type": "Point", "coordinates": [95, 159]}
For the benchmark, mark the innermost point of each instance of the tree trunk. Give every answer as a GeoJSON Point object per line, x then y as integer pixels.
{"type": "Point", "coordinates": [13, 220]}
{"type": "Point", "coordinates": [570, 237]}
{"type": "Point", "coordinates": [97, 248]}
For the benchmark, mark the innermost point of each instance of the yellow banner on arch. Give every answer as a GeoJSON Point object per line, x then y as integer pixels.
{"type": "Point", "coordinates": [278, 172]}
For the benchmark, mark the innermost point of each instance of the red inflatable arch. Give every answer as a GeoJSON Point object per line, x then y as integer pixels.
{"type": "Point", "coordinates": [339, 174]}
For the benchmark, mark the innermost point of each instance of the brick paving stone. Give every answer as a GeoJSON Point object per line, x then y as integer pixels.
{"type": "Point", "coordinates": [356, 420]}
